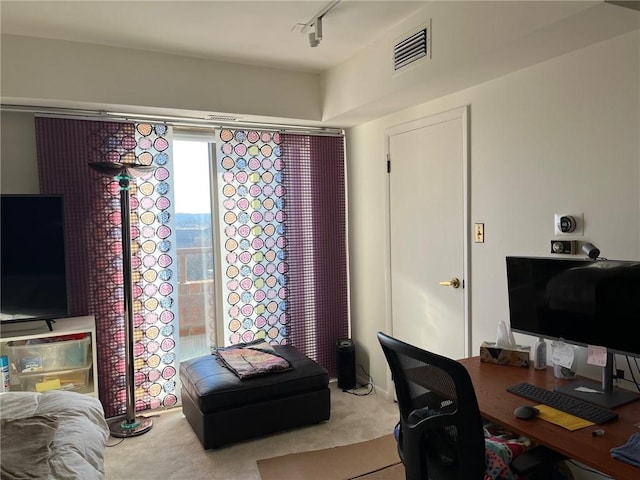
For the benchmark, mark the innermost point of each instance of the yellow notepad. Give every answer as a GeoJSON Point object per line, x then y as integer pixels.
{"type": "Point", "coordinates": [563, 419]}
{"type": "Point", "coordinates": [48, 385]}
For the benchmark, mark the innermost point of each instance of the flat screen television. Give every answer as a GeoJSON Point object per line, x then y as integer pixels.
{"type": "Point", "coordinates": [33, 267]}
{"type": "Point", "coordinates": [583, 302]}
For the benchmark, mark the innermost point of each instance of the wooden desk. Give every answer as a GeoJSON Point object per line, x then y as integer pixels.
{"type": "Point", "coordinates": [496, 404]}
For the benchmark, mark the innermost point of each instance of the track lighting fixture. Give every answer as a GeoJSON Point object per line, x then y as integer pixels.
{"type": "Point", "coordinates": [315, 22]}
{"type": "Point", "coordinates": [316, 35]}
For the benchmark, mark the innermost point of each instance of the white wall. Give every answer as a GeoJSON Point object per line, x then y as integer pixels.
{"type": "Point", "coordinates": [471, 43]}
{"type": "Point", "coordinates": [42, 72]}
{"type": "Point", "coordinates": [561, 136]}
{"type": "Point", "coordinates": [18, 163]}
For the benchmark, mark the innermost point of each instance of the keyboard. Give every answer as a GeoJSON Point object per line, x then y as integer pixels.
{"type": "Point", "coordinates": [564, 403]}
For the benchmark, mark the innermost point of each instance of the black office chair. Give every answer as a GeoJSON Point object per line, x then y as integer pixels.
{"type": "Point", "coordinates": [441, 434]}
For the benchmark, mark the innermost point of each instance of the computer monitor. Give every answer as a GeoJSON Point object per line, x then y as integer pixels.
{"type": "Point", "coordinates": [582, 302]}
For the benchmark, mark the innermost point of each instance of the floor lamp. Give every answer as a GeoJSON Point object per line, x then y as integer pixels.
{"type": "Point", "coordinates": [124, 172]}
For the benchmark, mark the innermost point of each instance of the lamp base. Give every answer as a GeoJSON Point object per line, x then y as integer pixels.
{"type": "Point", "coordinates": [126, 429]}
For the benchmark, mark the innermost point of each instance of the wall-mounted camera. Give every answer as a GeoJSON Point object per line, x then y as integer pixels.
{"type": "Point", "coordinates": [591, 251]}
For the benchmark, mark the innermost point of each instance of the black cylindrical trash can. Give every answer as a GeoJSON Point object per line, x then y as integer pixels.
{"type": "Point", "coordinates": [346, 361]}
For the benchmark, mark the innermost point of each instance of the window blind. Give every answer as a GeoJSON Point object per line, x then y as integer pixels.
{"type": "Point", "coordinates": [316, 251]}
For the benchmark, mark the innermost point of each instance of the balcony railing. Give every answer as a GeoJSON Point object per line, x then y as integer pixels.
{"type": "Point", "coordinates": [196, 297]}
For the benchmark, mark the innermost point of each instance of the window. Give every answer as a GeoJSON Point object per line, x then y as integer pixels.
{"type": "Point", "coordinates": [192, 167]}
{"type": "Point", "coordinates": [272, 265]}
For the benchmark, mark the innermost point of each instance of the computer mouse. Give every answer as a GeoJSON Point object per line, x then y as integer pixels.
{"type": "Point", "coordinates": [526, 412]}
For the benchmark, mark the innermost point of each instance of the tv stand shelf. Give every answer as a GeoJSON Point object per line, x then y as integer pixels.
{"type": "Point", "coordinates": [72, 363]}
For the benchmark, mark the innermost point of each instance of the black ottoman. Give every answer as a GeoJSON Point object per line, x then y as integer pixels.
{"type": "Point", "coordinates": [223, 409]}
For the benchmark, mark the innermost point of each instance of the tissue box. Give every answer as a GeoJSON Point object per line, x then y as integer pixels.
{"type": "Point", "coordinates": [515, 357]}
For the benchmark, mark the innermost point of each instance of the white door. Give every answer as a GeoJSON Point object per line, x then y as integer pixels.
{"type": "Point", "coordinates": [429, 233]}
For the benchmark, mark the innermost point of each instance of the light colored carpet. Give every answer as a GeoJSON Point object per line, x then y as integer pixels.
{"type": "Point", "coordinates": [171, 451]}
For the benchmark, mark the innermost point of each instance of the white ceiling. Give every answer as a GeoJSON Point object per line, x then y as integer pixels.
{"type": "Point", "coordinates": [485, 39]}
{"type": "Point", "coordinates": [266, 33]}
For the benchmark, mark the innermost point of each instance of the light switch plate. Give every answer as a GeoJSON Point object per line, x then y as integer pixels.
{"type": "Point", "coordinates": [478, 233]}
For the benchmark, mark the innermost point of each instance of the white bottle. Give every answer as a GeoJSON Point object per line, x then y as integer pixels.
{"type": "Point", "coordinates": [540, 354]}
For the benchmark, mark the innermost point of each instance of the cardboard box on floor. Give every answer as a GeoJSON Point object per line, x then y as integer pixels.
{"type": "Point", "coordinates": [375, 459]}
{"type": "Point", "coordinates": [515, 357]}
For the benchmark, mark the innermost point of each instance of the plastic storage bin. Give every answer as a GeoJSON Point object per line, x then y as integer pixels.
{"type": "Point", "coordinates": [50, 356]}
{"type": "Point", "coordinates": [76, 380]}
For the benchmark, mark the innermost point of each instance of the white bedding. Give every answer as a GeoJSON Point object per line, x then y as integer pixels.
{"type": "Point", "coordinates": [79, 441]}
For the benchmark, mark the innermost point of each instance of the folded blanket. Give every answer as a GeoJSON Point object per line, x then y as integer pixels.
{"type": "Point", "coordinates": [248, 360]}
{"type": "Point", "coordinates": [629, 452]}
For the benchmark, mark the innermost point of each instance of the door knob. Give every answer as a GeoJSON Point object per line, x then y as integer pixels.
{"type": "Point", "coordinates": [454, 282]}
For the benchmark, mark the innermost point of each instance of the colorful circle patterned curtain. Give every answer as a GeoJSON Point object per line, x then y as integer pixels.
{"type": "Point", "coordinates": [253, 262]}
{"type": "Point", "coordinates": [93, 238]}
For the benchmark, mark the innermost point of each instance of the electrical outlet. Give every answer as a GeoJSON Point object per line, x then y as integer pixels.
{"type": "Point", "coordinates": [619, 374]}
{"type": "Point", "coordinates": [567, 247]}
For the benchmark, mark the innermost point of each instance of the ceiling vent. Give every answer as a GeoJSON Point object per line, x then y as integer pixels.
{"type": "Point", "coordinates": [411, 48]}
{"type": "Point", "coordinates": [221, 118]}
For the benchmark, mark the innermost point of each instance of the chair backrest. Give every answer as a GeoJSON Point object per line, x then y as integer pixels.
{"type": "Point", "coordinates": [441, 431]}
